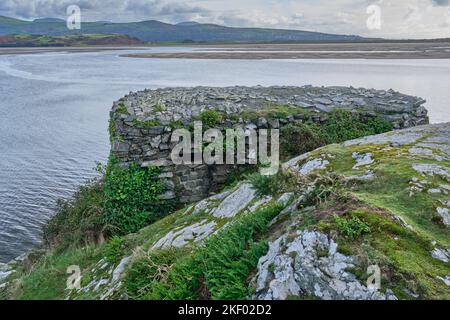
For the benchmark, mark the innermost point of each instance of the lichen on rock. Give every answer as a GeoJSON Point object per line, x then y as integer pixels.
{"type": "Point", "coordinates": [309, 264]}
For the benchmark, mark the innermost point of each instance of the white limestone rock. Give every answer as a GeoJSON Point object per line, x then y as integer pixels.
{"type": "Point", "coordinates": [181, 237]}
{"type": "Point", "coordinates": [446, 280]}
{"type": "Point", "coordinates": [362, 159]}
{"type": "Point", "coordinates": [432, 170]}
{"type": "Point", "coordinates": [235, 202]}
{"type": "Point", "coordinates": [309, 265]}
{"type": "Point", "coordinates": [441, 254]}
{"type": "Point", "coordinates": [312, 165]}
{"type": "Point", "coordinates": [445, 215]}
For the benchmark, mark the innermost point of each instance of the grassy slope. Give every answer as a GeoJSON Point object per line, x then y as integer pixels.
{"type": "Point", "coordinates": [403, 254]}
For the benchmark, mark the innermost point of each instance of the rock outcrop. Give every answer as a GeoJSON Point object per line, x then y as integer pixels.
{"type": "Point", "coordinates": [310, 265]}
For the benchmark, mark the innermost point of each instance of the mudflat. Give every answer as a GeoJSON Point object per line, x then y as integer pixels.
{"type": "Point", "coordinates": [388, 50]}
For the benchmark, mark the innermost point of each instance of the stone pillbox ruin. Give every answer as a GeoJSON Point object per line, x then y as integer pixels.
{"type": "Point", "coordinates": [142, 123]}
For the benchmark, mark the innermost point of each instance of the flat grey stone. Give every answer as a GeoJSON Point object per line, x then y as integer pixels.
{"type": "Point", "coordinates": [235, 202]}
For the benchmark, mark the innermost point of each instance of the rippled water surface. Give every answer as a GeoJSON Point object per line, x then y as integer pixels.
{"type": "Point", "coordinates": [54, 112]}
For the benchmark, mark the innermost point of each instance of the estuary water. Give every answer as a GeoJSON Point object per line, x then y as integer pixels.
{"type": "Point", "coordinates": [54, 110]}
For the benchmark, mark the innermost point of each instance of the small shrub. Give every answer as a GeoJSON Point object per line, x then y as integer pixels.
{"type": "Point", "coordinates": [160, 107]}
{"type": "Point", "coordinates": [210, 118]}
{"type": "Point", "coordinates": [300, 138]}
{"type": "Point", "coordinates": [113, 249]}
{"type": "Point", "coordinates": [351, 228]}
{"type": "Point", "coordinates": [79, 220]}
{"type": "Point", "coordinates": [132, 198]}
{"type": "Point", "coordinates": [122, 109]}
{"type": "Point", "coordinates": [327, 187]}
{"type": "Point", "coordinates": [343, 125]}
{"type": "Point", "coordinates": [271, 185]}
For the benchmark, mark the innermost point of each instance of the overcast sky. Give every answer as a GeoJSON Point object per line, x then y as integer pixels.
{"type": "Point", "coordinates": [399, 18]}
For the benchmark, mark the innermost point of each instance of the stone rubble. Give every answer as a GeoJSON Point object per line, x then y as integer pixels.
{"type": "Point", "coordinates": [171, 104]}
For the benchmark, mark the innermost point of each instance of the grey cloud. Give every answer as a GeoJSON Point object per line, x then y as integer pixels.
{"type": "Point", "coordinates": [160, 7]}
{"type": "Point", "coordinates": [101, 9]}
{"type": "Point", "coordinates": [440, 3]}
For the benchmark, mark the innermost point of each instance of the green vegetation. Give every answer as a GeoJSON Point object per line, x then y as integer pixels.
{"type": "Point", "coordinates": [300, 138]}
{"type": "Point", "coordinates": [48, 278]}
{"type": "Point", "coordinates": [146, 124]}
{"type": "Point", "coordinates": [74, 40]}
{"type": "Point", "coordinates": [351, 228]}
{"type": "Point", "coordinates": [132, 198]}
{"type": "Point", "coordinates": [79, 220]}
{"type": "Point", "coordinates": [391, 188]}
{"type": "Point", "coordinates": [211, 118]}
{"type": "Point", "coordinates": [340, 126]}
{"type": "Point", "coordinates": [343, 125]}
{"type": "Point", "coordinates": [113, 249]}
{"type": "Point", "coordinates": [402, 254]}
{"type": "Point", "coordinates": [159, 107]}
{"type": "Point", "coordinates": [122, 109]}
{"type": "Point", "coordinates": [166, 34]}
{"type": "Point", "coordinates": [376, 221]}
{"type": "Point", "coordinates": [271, 185]}
{"type": "Point", "coordinates": [216, 270]}
{"type": "Point", "coordinates": [122, 202]}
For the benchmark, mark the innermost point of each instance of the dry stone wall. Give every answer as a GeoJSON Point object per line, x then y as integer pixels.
{"type": "Point", "coordinates": [142, 122]}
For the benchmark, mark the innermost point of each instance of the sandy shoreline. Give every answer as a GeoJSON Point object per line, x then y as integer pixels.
{"type": "Point", "coordinates": [426, 50]}
{"type": "Point", "coordinates": [389, 50]}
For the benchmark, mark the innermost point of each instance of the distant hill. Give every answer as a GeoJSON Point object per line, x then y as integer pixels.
{"type": "Point", "coordinates": [27, 40]}
{"type": "Point", "coordinates": [156, 31]}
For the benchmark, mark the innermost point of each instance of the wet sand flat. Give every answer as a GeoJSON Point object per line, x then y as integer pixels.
{"type": "Point", "coordinates": [415, 50]}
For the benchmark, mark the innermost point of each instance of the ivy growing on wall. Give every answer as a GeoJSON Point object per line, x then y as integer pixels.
{"type": "Point", "coordinates": [133, 197]}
